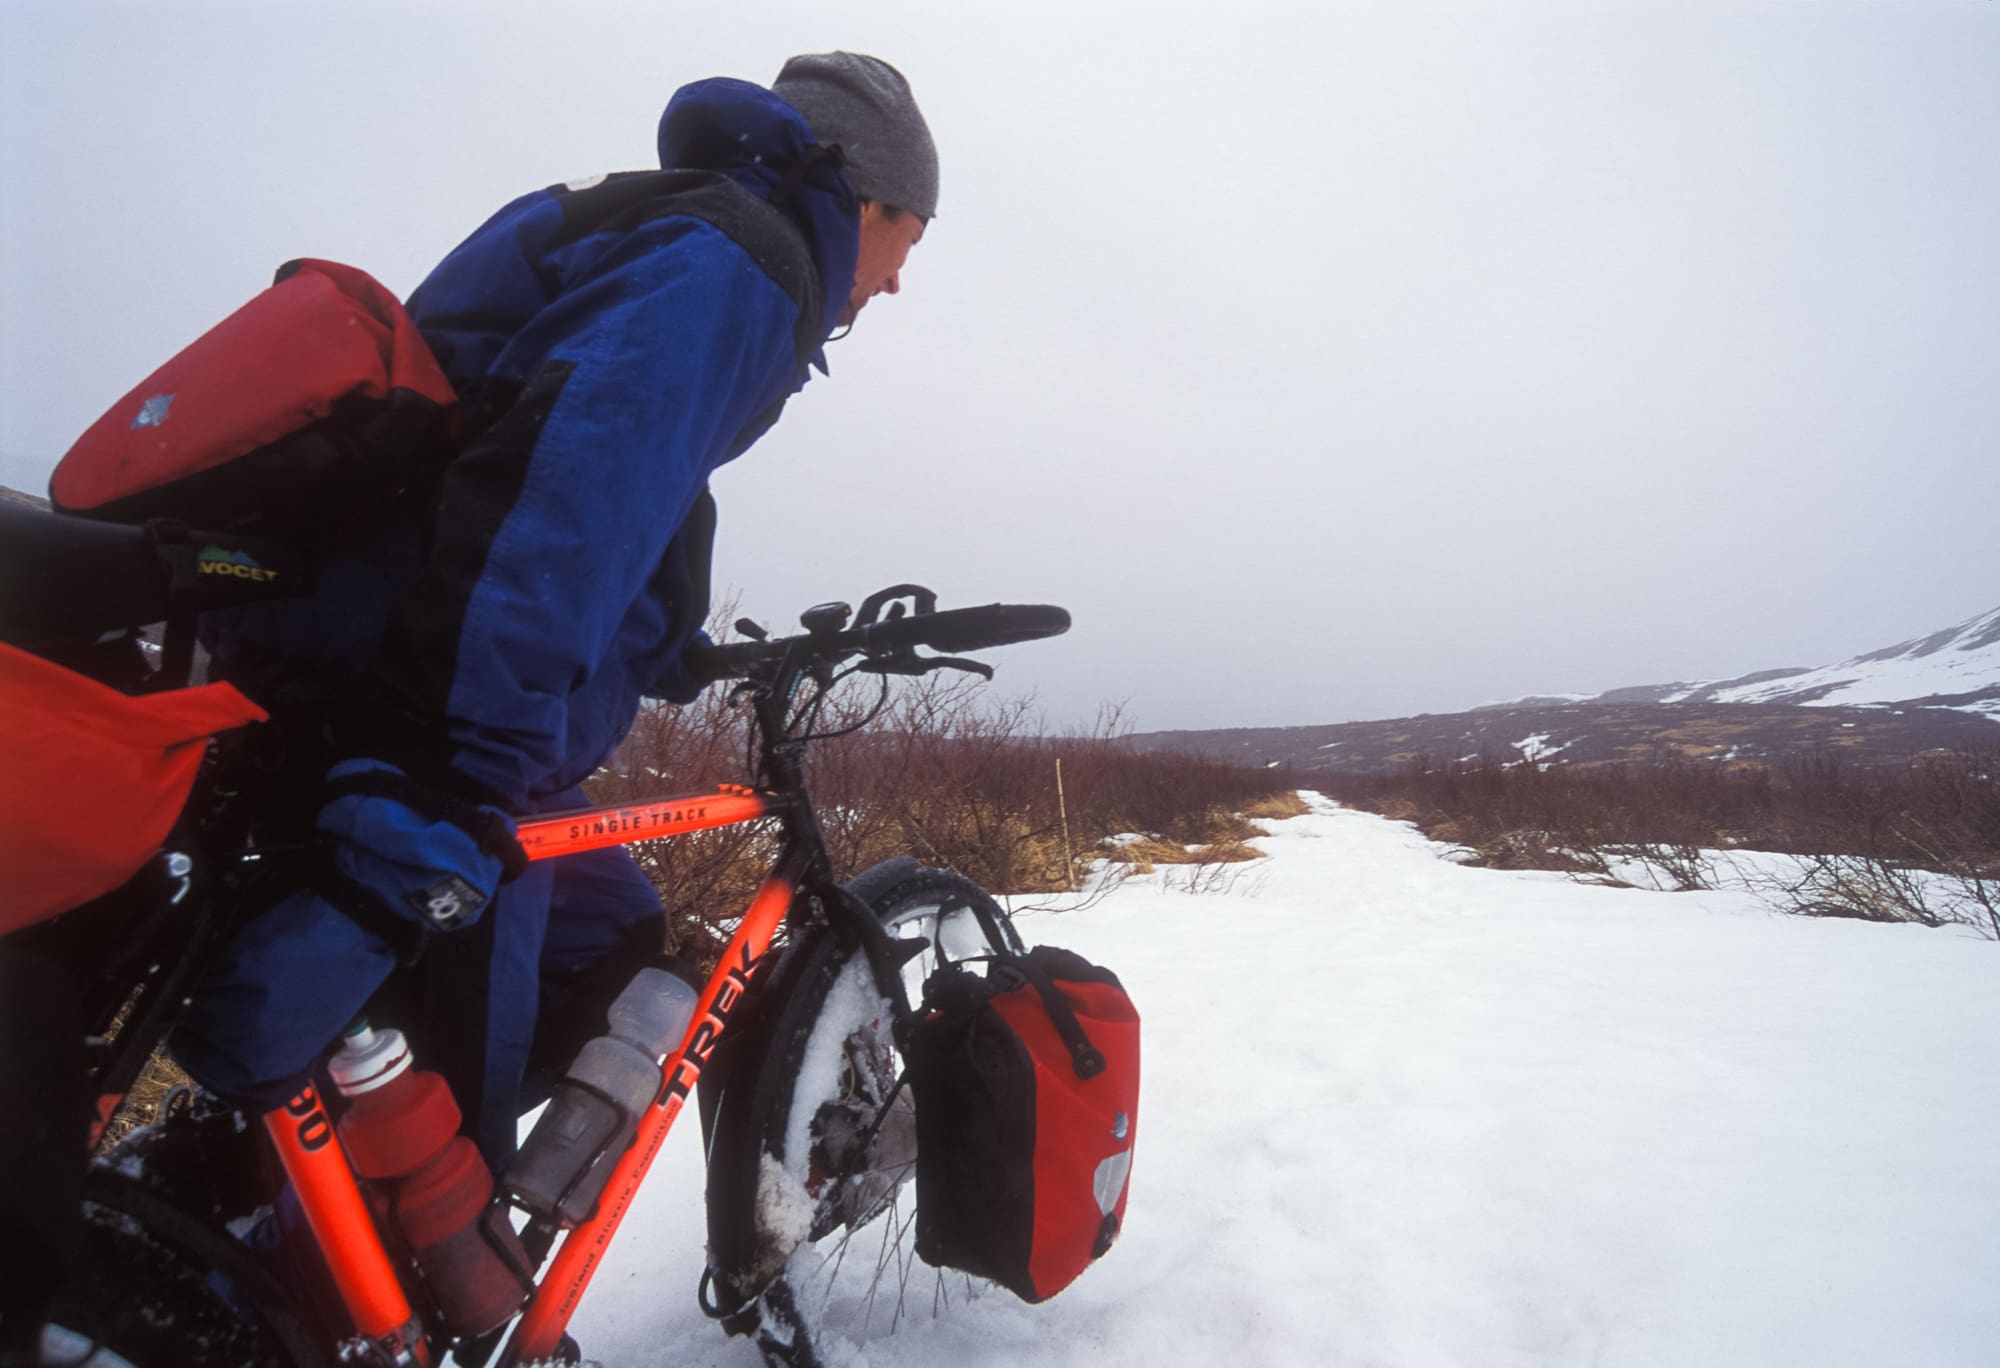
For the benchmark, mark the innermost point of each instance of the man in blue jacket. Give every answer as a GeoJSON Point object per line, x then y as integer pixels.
{"type": "Point", "coordinates": [475, 655]}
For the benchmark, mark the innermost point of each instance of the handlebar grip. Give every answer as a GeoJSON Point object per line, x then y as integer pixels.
{"type": "Point", "coordinates": [706, 662]}
{"type": "Point", "coordinates": [967, 629]}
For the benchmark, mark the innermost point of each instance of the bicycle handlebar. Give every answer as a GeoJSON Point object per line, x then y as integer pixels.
{"type": "Point", "coordinates": [953, 630]}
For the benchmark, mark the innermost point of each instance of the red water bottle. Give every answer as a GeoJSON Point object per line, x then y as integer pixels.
{"type": "Point", "coordinates": [401, 1133]}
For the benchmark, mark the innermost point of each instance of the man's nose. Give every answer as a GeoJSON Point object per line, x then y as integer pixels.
{"type": "Point", "coordinates": [894, 284]}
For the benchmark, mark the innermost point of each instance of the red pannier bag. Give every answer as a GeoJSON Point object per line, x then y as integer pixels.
{"type": "Point", "coordinates": [1026, 1083]}
{"type": "Point", "coordinates": [311, 403]}
{"type": "Point", "coordinates": [94, 779]}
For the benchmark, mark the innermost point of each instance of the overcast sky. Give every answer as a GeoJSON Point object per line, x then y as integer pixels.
{"type": "Point", "coordinates": [1328, 361]}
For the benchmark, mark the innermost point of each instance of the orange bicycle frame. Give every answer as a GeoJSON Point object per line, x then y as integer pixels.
{"type": "Point", "coordinates": [316, 1163]}
{"type": "Point", "coordinates": [561, 1286]}
{"type": "Point", "coordinates": [317, 1166]}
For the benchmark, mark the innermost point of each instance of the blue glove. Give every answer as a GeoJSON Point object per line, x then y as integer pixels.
{"type": "Point", "coordinates": [425, 856]}
{"type": "Point", "coordinates": [680, 682]}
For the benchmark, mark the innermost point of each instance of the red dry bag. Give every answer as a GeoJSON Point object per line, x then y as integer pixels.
{"type": "Point", "coordinates": [1026, 1081]}
{"type": "Point", "coordinates": [308, 405]}
{"type": "Point", "coordinates": [94, 779]}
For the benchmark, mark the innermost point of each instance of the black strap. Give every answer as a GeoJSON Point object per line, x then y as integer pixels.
{"type": "Point", "coordinates": [738, 1316]}
{"type": "Point", "coordinates": [492, 832]}
{"type": "Point", "coordinates": [766, 230]}
{"type": "Point", "coordinates": [173, 547]}
{"type": "Point", "coordinates": [885, 957]}
{"type": "Point", "coordinates": [1085, 1058]}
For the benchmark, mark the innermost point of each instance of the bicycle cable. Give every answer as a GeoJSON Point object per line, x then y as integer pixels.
{"type": "Point", "coordinates": [819, 700]}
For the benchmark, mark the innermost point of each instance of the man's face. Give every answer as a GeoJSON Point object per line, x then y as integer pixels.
{"type": "Point", "coordinates": [885, 245]}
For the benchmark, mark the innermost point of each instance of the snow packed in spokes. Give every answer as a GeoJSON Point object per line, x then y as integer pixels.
{"type": "Point", "coordinates": [1400, 1112]}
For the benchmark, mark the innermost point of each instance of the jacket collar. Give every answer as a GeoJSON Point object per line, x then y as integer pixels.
{"type": "Point", "coordinates": [753, 137]}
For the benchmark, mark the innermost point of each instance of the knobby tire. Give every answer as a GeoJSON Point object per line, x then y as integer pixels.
{"type": "Point", "coordinates": [811, 1191]}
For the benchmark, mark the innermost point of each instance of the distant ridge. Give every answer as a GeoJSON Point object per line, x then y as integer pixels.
{"type": "Point", "coordinates": [1958, 667]}
{"type": "Point", "coordinates": [1934, 692]}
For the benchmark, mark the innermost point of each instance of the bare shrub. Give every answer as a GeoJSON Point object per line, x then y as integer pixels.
{"type": "Point", "coordinates": [1679, 865]}
{"type": "Point", "coordinates": [1539, 850]}
{"type": "Point", "coordinates": [1211, 879]}
{"type": "Point", "coordinates": [949, 773]}
{"type": "Point", "coordinates": [1913, 842]}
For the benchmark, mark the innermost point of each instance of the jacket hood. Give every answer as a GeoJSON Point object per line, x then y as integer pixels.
{"type": "Point", "coordinates": [753, 137]}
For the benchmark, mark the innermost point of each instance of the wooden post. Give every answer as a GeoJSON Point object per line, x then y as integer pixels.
{"type": "Point", "coordinates": [1069, 860]}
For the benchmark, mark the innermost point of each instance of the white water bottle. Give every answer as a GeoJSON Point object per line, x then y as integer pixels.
{"type": "Point", "coordinates": [591, 1119]}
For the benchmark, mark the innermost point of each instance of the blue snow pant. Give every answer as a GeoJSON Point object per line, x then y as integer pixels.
{"type": "Point", "coordinates": [295, 975]}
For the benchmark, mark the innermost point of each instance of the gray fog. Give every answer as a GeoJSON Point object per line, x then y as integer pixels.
{"type": "Point", "coordinates": [1327, 361]}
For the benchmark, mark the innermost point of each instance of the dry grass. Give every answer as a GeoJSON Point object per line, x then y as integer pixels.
{"type": "Point", "coordinates": [1447, 832]}
{"type": "Point", "coordinates": [1146, 852]}
{"type": "Point", "coordinates": [1277, 807]}
{"type": "Point", "coordinates": [142, 1104]}
{"type": "Point", "coordinates": [1212, 836]}
{"type": "Point", "coordinates": [1402, 810]}
{"type": "Point", "coordinates": [1205, 826]}
{"type": "Point", "coordinates": [1224, 852]}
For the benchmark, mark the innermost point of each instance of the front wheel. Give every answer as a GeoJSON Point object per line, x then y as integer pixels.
{"type": "Point", "coordinates": [811, 1205]}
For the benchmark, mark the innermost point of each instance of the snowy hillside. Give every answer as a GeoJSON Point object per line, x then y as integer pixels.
{"type": "Point", "coordinates": [1399, 1112]}
{"type": "Point", "coordinates": [1958, 667]}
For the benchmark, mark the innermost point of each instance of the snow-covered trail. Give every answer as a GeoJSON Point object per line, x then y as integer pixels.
{"type": "Point", "coordinates": [1402, 1113]}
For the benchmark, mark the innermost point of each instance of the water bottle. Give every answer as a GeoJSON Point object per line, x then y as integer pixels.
{"type": "Point", "coordinates": [400, 1131]}
{"type": "Point", "coordinates": [566, 1160]}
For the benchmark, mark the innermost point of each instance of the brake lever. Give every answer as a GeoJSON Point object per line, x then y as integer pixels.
{"type": "Point", "coordinates": [913, 664]}
{"type": "Point", "coordinates": [904, 663]}
{"type": "Point", "coordinates": [980, 668]}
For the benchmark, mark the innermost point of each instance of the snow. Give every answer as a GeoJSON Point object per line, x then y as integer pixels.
{"type": "Point", "coordinates": [1537, 747]}
{"type": "Point", "coordinates": [1534, 699]}
{"type": "Point", "coordinates": [1400, 1112]}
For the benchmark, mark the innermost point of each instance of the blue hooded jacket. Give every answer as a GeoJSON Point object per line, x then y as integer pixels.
{"type": "Point", "coordinates": [611, 352]}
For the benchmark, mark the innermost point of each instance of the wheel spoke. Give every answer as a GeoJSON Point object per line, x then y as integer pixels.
{"type": "Point", "coordinates": [900, 1253]}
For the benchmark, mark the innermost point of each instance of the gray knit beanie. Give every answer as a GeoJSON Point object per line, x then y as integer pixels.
{"type": "Point", "coordinates": [864, 106]}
